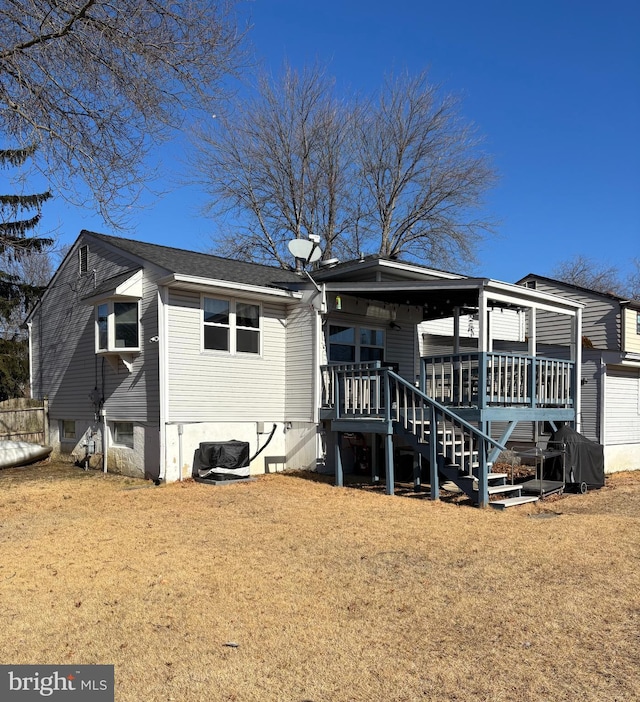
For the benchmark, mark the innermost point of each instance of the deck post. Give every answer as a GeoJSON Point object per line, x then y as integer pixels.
{"type": "Point", "coordinates": [375, 477]}
{"type": "Point", "coordinates": [433, 454]}
{"type": "Point", "coordinates": [388, 455]}
{"type": "Point", "coordinates": [338, 460]}
{"type": "Point", "coordinates": [483, 469]}
{"type": "Point", "coordinates": [417, 471]}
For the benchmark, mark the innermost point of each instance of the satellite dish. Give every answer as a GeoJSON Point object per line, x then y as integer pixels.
{"type": "Point", "coordinates": [307, 250]}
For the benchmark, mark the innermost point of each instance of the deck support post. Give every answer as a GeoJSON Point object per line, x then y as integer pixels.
{"type": "Point", "coordinates": [338, 460]}
{"type": "Point", "coordinates": [483, 468]}
{"type": "Point", "coordinates": [375, 476]}
{"type": "Point", "coordinates": [433, 455]}
{"type": "Point", "coordinates": [388, 455]}
{"type": "Point", "coordinates": [417, 472]}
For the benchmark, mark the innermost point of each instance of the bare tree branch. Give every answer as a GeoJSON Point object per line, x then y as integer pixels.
{"type": "Point", "coordinates": [593, 275]}
{"type": "Point", "coordinates": [94, 84]}
{"type": "Point", "coordinates": [278, 164]}
{"type": "Point", "coordinates": [397, 175]}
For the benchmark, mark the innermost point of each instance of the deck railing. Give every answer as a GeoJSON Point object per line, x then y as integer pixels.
{"type": "Point", "coordinates": [507, 380]}
{"type": "Point", "coordinates": [369, 391]}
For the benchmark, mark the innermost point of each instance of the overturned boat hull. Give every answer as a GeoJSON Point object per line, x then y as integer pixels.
{"type": "Point", "coordinates": [21, 453]}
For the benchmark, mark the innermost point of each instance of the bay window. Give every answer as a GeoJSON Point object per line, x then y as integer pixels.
{"type": "Point", "coordinates": [117, 326]}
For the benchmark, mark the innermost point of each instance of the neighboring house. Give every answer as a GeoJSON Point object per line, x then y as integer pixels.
{"type": "Point", "coordinates": [144, 351]}
{"type": "Point", "coordinates": [610, 405]}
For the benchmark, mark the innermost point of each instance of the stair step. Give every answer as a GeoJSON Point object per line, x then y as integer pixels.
{"type": "Point", "coordinates": [490, 476]}
{"type": "Point", "coordinates": [497, 489]}
{"type": "Point", "coordinates": [512, 501]}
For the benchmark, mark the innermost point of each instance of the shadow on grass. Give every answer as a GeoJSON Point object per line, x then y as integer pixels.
{"type": "Point", "coordinates": [401, 488]}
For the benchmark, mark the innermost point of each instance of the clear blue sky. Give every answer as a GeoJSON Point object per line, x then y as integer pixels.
{"type": "Point", "coordinates": [554, 86]}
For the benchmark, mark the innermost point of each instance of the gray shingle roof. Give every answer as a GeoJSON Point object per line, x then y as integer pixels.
{"type": "Point", "coordinates": [202, 265]}
{"type": "Point", "coordinates": [111, 284]}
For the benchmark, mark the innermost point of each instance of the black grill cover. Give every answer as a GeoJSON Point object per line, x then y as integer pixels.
{"type": "Point", "coordinates": [584, 459]}
{"type": "Point", "coordinates": [221, 460]}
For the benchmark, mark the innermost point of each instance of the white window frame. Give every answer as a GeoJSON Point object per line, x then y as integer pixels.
{"type": "Point", "coordinates": [111, 327]}
{"type": "Point", "coordinates": [114, 432]}
{"type": "Point", "coordinates": [357, 341]}
{"type": "Point", "coordinates": [232, 327]}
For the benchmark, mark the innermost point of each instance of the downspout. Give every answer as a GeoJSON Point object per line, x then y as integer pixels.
{"type": "Point", "coordinates": [163, 381]}
{"type": "Point", "coordinates": [105, 439]}
{"type": "Point", "coordinates": [180, 432]}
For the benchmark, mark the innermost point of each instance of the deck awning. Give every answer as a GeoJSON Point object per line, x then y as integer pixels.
{"type": "Point", "coordinates": [439, 298]}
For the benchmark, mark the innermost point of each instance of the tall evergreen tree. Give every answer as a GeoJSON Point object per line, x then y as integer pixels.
{"type": "Point", "coordinates": [19, 216]}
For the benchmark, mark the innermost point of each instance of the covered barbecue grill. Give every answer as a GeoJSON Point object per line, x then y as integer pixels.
{"type": "Point", "coordinates": [583, 460]}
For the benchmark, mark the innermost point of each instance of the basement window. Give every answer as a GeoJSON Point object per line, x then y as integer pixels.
{"type": "Point", "coordinates": [68, 429]}
{"type": "Point", "coordinates": [123, 434]}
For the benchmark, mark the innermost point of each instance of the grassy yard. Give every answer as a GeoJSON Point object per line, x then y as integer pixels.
{"type": "Point", "coordinates": [328, 594]}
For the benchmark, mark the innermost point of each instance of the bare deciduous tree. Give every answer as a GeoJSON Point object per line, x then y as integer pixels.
{"type": "Point", "coordinates": [587, 273]}
{"type": "Point", "coordinates": [633, 282]}
{"type": "Point", "coordinates": [423, 173]}
{"type": "Point", "coordinates": [94, 83]}
{"type": "Point", "coordinates": [400, 174]}
{"type": "Point", "coordinates": [280, 164]}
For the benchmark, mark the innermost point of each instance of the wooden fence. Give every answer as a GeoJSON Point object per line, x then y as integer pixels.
{"type": "Point", "coordinates": [22, 419]}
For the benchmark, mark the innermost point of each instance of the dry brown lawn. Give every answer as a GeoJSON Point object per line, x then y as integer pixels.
{"type": "Point", "coordinates": [330, 594]}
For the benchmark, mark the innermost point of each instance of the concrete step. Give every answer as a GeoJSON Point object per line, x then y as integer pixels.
{"type": "Point", "coordinates": [512, 501]}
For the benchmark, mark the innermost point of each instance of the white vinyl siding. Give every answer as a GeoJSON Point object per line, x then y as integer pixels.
{"type": "Point", "coordinates": [300, 371]}
{"type": "Point", "coordinates": [211, 386]}
{"type": "Point", "coordinates": [622, 412]}
{"type": "Point", "coordinates": [63, 332]}
{"type": "Point", "coordinates": [601, 323]}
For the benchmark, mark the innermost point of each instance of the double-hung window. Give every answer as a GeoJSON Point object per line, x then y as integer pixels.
{"type": "Point", "coordinates": [231, 325]}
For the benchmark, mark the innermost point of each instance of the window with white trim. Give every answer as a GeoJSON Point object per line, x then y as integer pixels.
{"type": "Point", "coordinates": [118, 326]}
{"type": "Point", "coordinates": [355, 344]}
{"type": "Point", "coordinates": [231, 325]}
{"type": "Point", "coordinates": [123, 434]}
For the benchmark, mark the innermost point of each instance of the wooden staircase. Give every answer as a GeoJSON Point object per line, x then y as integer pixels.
{"type": "Point", "coordinates": [458, 462]}
{"type": "Point", "coordinates": [367, 395]}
